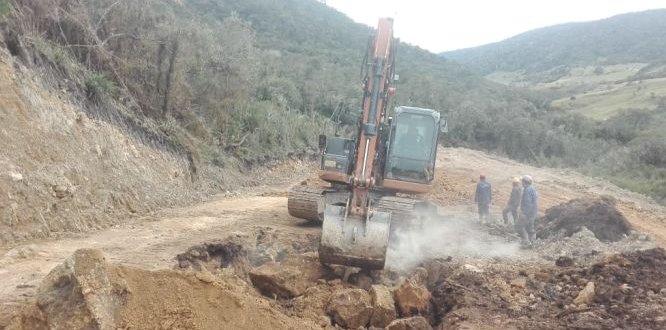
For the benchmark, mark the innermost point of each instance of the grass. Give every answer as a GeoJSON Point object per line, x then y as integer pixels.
{"type": "Point", "coordinates": [4, 9]}
{"type": "Point", "coordinates": [598, 92]}
{"type": "Point", "coordinates": [612, 99]}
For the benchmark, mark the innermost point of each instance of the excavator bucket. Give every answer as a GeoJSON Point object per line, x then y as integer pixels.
{"type": "Point", "coordinates": [354, 241]}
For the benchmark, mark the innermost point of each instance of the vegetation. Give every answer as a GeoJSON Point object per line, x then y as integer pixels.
{"type": "Point", "coordinates": [247, 78]}
{"type": "Point", "coordinates": [251, 80]}
{"type": "Point", "coordinates": [634, 37]}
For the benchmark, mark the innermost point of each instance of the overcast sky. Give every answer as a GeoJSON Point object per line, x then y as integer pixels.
{"type": "Point", "coordinates": [439, 25]}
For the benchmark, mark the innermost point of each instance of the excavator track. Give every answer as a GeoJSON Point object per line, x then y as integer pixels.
{"type": "Point", "coordinates": [303, 202]}
{"type": "Point", "coordinates": [405, 212]}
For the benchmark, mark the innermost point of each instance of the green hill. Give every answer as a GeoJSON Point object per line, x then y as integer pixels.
{"type": "Point", "coordinates": [633, 37]}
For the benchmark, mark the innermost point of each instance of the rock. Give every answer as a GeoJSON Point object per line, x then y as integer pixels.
{"type": "Point", "coordinates": [520, 282]}
{"type": "Point", "coordinates": [472, 268]}
{"type": "Point", "coordinates": [419, 276]}
{"type": "Point", "coordinates": [564, 262]}
{"type": "Point", "coordinates": [412, 323]}
{"type": "Point", "coordinates": [350, 308]}
{"type": "Point", "coordinates": [60, 191]}
{"type": "Point", "coordinates": [287, 279]}
{"type": "Point", "coordinates": [383, 306]}
{"type": "Point", "coordinates": [585, 296]}
{"type": "Point", "coordinates": [324, 321]}
{"type": "Point", "coordinates": [15, 176]}
{"type": "Point", "coordinates": [542, 276]}
{"type": "Point", "coordinates": [361, 280]}
{"type": "Point", "coordinates": [205, 277]}
{"type": "Point", "coordinates": [80, 293]}
{"type": "Point", "coordinates": [412, 298]}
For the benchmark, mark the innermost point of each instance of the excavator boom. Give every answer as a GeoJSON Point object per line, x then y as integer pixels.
{"type": "Point", "coordinates": [354, 234]}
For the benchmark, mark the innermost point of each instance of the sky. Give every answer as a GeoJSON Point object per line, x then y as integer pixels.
{"type": "Point", "coordinates": [438, 25]}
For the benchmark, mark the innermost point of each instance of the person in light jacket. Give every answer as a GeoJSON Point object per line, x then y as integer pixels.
{"type": "Point", "coordinates": [528, 212]}
{"type": "Point", "coordinates": [483, 197]}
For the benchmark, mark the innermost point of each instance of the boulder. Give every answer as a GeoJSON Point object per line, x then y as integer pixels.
{"type": "Point", "coordinates": [585, 296]}
{"type": "Point", "coordinates": [350, 308]}
{"type": "Point", "coordinates": [273, 279]}
{"type": "Point", "coordinates": [412, 323]}
{"type": "Point", "coordinates": [287, 279]}
{"type": "Point", "coordinates": [78, 294]}
{"type": "Point", "coordinates": [412, 298]}
{"type": "Point", "coordinates": [383, 306]}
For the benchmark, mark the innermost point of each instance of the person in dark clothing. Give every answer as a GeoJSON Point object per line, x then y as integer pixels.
{"type": "Point", "coordinates": [514, 202]}
{"type": "Point", "coordinates": [528, 212]}
{"type": "Point", "coordinates": [483, 198]}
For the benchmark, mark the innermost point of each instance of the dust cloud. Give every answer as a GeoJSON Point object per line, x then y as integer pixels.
{"type": "Point", "coordinates": [444, 237]}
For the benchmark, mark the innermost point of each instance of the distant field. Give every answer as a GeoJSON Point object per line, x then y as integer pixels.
{"type": "Point", "coordinates": [595, 91]}
{"type": "Point", "coordinates": [604, 103]}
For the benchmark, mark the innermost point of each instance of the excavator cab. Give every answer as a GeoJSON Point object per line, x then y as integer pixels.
{"type": "Point", "coordinates": [412, 148]}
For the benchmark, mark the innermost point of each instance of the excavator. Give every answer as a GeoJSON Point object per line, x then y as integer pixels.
{"type": "Point", "coordinates": [374, 176]}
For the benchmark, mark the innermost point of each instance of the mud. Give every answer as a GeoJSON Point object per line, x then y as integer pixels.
{"type": "Point", "coordinates": [598, 215]}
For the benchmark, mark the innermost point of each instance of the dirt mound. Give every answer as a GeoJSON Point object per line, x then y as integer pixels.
{"type": "Point", "coordinates": [86, 292]}
{"type": "Point", "coordinates": [625, 291]}
{"type": "Point", "coordinates": [630, 291]}
{"type": "Point", "coordinates": [599, 215]}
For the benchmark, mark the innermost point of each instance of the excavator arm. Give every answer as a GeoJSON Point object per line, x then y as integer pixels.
{"type": "Point", "coordinates": [353, 233]}
{"type": "Point", "coordinates": [376, 92]}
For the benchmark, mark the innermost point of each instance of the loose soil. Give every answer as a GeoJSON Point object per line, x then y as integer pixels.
{"type": "Point", "coordinates": [189, 268]}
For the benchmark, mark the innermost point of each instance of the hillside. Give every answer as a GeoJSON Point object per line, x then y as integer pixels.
{"type": "Point", "coordinates": [596, 69]}
{"type": "Point", "coordinates": [633, 37]}
{"type": "Point", "coordinates": [250, 82]}
{"type": "Point", "coordinates": [212, 89]}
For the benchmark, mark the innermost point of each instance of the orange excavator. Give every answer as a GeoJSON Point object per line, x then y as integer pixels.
{"type": "Point", "coordinates": [373, 176]}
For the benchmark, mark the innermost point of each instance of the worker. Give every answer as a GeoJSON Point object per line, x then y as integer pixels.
{"type": "Point", "coordinates": [528, 212]}
{"type": "Point", "coordinates": [411, 142]}
{"type": "Point", "coordinates": [513, 203]}
{"type": "Point", "coordinates": [483, 198]}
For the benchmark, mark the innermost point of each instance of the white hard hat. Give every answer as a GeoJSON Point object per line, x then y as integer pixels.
{"type": "Point", "coordinates": [527, 179]}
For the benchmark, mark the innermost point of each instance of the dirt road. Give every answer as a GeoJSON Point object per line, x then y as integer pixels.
{"type": "Point", "coordinates": [151, 243]}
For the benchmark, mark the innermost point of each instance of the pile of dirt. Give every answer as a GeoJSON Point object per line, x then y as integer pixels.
{"type": "Point", "coordinates": [625, 291]}
{"type": "Point", "coordinates": [598, 215]}
{"type": "Point", "coordinates": [231, 282]}
{"type": "Point", "coordinates": [628, 291]}
{"type": "Point", "coordinates": [86, 292]}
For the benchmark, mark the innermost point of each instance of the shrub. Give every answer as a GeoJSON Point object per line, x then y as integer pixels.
{"type": "Point", "coordinates": [98, 86]}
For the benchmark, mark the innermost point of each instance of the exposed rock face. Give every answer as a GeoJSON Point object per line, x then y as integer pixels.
{"type": "Point", "coordinates": [350, 308]}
